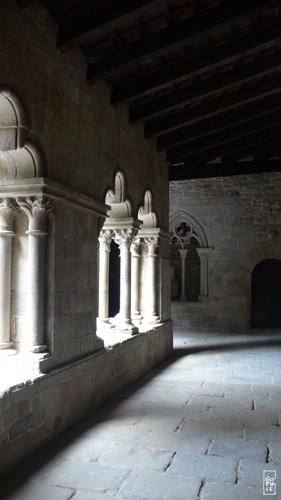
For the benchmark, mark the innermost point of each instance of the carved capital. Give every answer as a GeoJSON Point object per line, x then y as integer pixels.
{"type": "Point", "coordinates": [123, 238]}
{"type": "Point", "coordinates": [152, 245]}
{"type": "Point", "coordinates": [7, 210]}
{"type": "Point", "coordinates": [135, 246]}
{"type": "Point", "coordinates": [37, 209]}
{"type": "Point", "coordinates": [105, 239]}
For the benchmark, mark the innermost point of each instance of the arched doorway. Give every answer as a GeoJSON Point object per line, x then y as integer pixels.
{"type": "Point", "coordinates": [266, 294]}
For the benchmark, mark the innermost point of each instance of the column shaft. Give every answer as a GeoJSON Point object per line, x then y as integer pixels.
{"type": "Point", "coordinates": [5, 287]}
{"type": "Point", "coordinates": [125, 284]}
{"type": "Point", "coordinates": [36, 257]}
{"type": "Point", "coordinates": [183, 254]}
{"type": "Point", "coordinates": [135, 275]}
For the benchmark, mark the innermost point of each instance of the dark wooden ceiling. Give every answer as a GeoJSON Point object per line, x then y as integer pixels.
{"type": "Point", "coordinates": [203, 76]}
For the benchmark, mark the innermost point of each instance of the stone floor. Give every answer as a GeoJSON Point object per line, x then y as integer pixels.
{"type": "Point", "coordinates": [203, 425]}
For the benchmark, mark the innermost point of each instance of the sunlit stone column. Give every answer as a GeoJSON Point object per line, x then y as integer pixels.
{"type": "Point", "coordinates": [105, 239]}
{"type": "Point", "coordinates": [36, 209]}
{"type": "Point", "coordinates": [123, 238]}
{"type": "Point", "coordinates": [183, 254]}
{"type": "Point", "coordinates": [203, 255]}
{"type": "Point", "coordinates": [152, 245]}
{"type": "Point", "coordinates": [6, 233]}
{"type": "Point", "coordinates": [135, 276]}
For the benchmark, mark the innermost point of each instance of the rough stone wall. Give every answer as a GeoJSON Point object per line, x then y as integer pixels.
{"type": "Point", "coordinates": [38, 411]}
{"type": "Point", "coordinates": [85, 139]}
{"type": "Point", "coordinates": [242, 219]}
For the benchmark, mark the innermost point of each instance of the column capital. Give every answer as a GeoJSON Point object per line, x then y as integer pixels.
{"type": "Point", "coordinates": [123, 237]}
{"type": "Point", "coordinates": [204, 252]}
{"type": "Point", "coordinates": [135, 246]}
{"type": "Point", "coordinates": [183, 252]}
{"type": "Point", "coordinates": [7, 210]}
{"type": "Point", "coordinates": [36, 208]}
{"type": "Point", "coordinates": [105, 239]}
{"type": "Point", "coordinates": [152, 243]}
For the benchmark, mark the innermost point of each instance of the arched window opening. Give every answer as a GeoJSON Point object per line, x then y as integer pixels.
{"type": "Point", "coordinates": [114, 280]}
{"type": "Point", "coordinates": [115, 242]}
{"type": "Point", "coordinates": [189, 258]}
{"type": "Point", "coordinates": [266, 296]}
{"type": "Point", "coordinates": [23, 232]}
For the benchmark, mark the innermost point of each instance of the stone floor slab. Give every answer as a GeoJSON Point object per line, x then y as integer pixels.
{"type": "Point", "coordinates": [204, 467]}
{"type": "Point", "coordinates": [91, 476]}
{"type": "Point", "coordinates": [141, 457]}
{"type": "Point", "coordinates": [222, 491]}
{"type": "Point", "coordinates": [239, 448]}
{"type": "Point", "coordinates": [157, 485]}
{"type": "Point", "coordinates": [251, 473]}
{"type": "Point", "coordinates": [34, 490]}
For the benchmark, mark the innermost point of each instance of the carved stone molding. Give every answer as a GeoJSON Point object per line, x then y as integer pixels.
{"type": "Point", "coordinates": [105, 239]}
{"type": "Point", "coordinates": [7, 211]}
{"type": "Point", "coordinates": [124, 237]}
{"type": "Point", "coordinates": [152, 245]}
{"type": "Point", "coordinates": [37, 209]}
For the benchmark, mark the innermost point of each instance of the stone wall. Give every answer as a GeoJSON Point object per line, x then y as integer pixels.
{"type": "Point", "coordinates": [85, 139]}
{"type": "Point", "coordinates": [34, 413]}
{"type": "Point", "coordinates": [241, 216]}
{"type": "Point", "coordinates": [72, 143]}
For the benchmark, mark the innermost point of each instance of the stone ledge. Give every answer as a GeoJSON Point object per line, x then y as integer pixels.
{"type": "Point", "coordinates": [36, 410]}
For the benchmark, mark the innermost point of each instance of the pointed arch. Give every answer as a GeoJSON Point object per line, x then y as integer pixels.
{"type": "Point", "coordinates": [198, 232]}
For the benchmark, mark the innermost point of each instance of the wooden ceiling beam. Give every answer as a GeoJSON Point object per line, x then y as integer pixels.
{"type": "Point", "coordinates": [222, 138]}
{"type": "Point", "coordinates": [268, 145]}
{"type": "Point", "coordinates": [240, 116]}
{"type": "Point", "coordinates": [175, 36]}
{"type": "Point", "coordinates": [236, 147]}
{"type": "Point", "coordinates": [196, 64]}
{"type": "Point", "coordinates": [224, 169]}
{"type": "Point", "coordinates": [204, 89]}
{"type": "Point", "coordinates": [23, 4]}
{"type": "Point", "coordinates": [214, 107]}
{"type": "Point", "coordinates": [94, 23]}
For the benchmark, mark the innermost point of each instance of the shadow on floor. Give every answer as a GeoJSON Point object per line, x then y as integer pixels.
{"type": "Point", "coordinates": [23, 472]}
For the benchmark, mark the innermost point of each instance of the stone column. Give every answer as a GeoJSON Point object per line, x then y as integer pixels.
{"type": "Point", "coordinates": [123, 238]}
{"type": "Point", "coordinates": [105, 239]}
{"type": "Point", "coordinates": [203, 255]}
{"type": "Point", "coordinates": [36, 209]}
{"type": "Point", "coordinates": [6, 233]}
{"type": "Point", "coordinates": [183, 254]}
{"type": "Point", "coordinates": [152, 245]}
{"type": "Point", "coordinates": [135, 275]}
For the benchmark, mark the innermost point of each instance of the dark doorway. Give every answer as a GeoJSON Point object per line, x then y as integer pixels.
{"type": "Point", "coordinates": [114, 280]}
{"type": "Point", "coordinates": [266, 294]}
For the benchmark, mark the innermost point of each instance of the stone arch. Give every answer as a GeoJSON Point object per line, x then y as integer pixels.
{"type": "Point", "coordinates": [188, 235]}
{"type": "Point", "coordinates": [20, 157]}
{"type": "Point", "coordinates": [115, 241]}
{"type": "Point", "coordinates": [266, 296]}
{"type": "Point", "coordinates": [198, 231]}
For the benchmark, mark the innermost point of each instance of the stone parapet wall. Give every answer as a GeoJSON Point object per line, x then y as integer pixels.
{"type": "Point", "coordinates": [33, 413]}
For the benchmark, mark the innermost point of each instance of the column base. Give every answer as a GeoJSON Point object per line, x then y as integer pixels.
{"type": "Point", "coordinates": [6, 345]}
{"type": "Point", "coordinates": [38, 348]}
{"type": "Point", "coordinates": [183, 297]}
{"type": "Point", "coordinates": [127, 328]}
{"type": "Point", "coordinates": [150, 320]}
{"type": "Point", "coordinates": [104, 325]}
